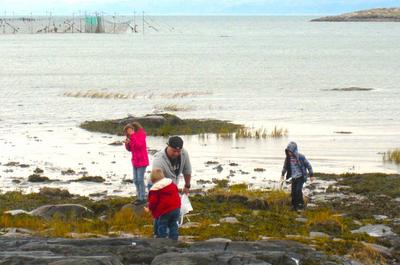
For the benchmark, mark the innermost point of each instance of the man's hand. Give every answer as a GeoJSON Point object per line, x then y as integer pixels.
{"type": "Point", "coordinates": [186, 190]}
{"type": "Point", "coordinates": [282, 178]}
{"type": "Point", "coordinates": [146, 209]}
{"type": "Point", "coordinates": [312, 179]}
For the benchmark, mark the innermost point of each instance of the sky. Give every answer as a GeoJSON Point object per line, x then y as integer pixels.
{"type": "Point", "coordinates": [189, 7]}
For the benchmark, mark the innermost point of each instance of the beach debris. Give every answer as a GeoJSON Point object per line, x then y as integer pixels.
{"type": "Point", "coordinates": [68, 172]}
{"type": "Point", "coordinates": [97, 179]}
{"type": "Point", "coordinates": [219, 168]}
{"type": "Point", "coordinates": [343, 132]}
{"type": "Point", "coordinates": [348, 89]}
{"type": "Point", "coordinates": [37, 178]}
{"type": "Point", "coordinates": [38, 171]}
{"type": "Point", "coordinates": [116, 143]}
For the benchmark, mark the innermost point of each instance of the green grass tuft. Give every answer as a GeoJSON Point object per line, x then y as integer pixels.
{"type": "Point", "coordinates": [392, 156]}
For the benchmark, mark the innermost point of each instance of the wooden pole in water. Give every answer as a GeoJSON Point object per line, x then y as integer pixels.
{"type": "Point", "coordinates": [114, 21]}
{"type": "Point", "coordinates": [73, 21]}
{"type": "Point", "coordinates": [4, 22]}
{"type": "Point", "coordinates": [143, 23]}
{"type": "Point", "coordinates": [47, 30]}
{"type": "Point", "coordinates": [31, 23]}
{"type": "Point", "coordinates": [48, 27]}
{"type": "Point", "coordinates": [80, 22]}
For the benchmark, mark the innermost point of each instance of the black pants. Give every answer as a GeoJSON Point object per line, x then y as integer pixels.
{"type": "Point", "coordinates": [297, 193]}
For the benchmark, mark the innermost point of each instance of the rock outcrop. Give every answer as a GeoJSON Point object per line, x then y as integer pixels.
{"type": "Point", "coordinates": [156, 252]}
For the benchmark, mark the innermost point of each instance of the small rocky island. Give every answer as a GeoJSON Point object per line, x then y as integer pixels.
{"type": "Point", "coordinates": [163, 125]}
{"type": "Point", "coordinates": [370, 15]}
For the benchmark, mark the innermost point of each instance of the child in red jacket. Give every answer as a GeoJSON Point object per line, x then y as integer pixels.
{"type": "Point", "coordinates": [164, 204]}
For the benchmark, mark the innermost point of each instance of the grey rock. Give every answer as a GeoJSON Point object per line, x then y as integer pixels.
{"type": "Point", "coordinates": [37, 178]}
{"type": "Point", "coordinates": [219, 168]}
{"type": "Point", "coordinates": [209, 257]}
{"type": "Point", "coordinates": [190, 225]}
{"type": "Point", "coordinates": [319, 235]}
{"type": "Point", "coordinates": [301, 220]}
{"type": "Point", "coordinates": [16, 212]}
{"type": "Point", "coordinates": [219, 239]}
{"type": "Point", "coordinates": [380, 217]}
{"type": "Point", "coordinates": [61, 211]}
{"type": "Point", "coordinates": [229, 220]}
{"type": "Point", "coordinates": [378, 248]}
{"type": "Point", "coordinates": [375, 230]}
{"type": "Point", "coordinates": [16, 232]}
{"type": "Point", "coordinates": [88, 261]}
{"type": "Point", "coordinates": [116, 143]}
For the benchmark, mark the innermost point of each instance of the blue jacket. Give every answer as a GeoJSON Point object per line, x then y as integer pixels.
{"type": "Point", "coordinates": [304, 163]}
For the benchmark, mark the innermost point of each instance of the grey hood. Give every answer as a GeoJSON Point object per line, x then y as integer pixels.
{"type": "Point", "coordinates": [292, 147]}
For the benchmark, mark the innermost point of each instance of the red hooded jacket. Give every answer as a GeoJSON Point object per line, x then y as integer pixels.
{"type": "Point", "coordinates": [138, 147]}
{"type": "Point", "coordinates": [163, 197]}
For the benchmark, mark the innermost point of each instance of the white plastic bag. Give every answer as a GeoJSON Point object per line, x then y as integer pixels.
{"type": "Point", "coordinates": [186, 207]}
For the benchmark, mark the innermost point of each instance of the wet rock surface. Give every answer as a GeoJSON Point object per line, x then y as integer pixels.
{"type": "Point", "coordinates": [64, 211]}
{"type": "Point", "coordinates": [118, 251]}
{"type": "Point", "coordinates": [377, 230]}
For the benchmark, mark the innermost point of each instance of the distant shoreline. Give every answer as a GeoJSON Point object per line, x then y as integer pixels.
{"type": "Point", "coordinates": [370, 15]}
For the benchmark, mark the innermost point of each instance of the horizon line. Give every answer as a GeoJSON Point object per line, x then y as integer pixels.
{"type": "Point", "coordinates": [11, 14]}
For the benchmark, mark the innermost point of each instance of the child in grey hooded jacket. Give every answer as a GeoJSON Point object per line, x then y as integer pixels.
{"type": "Point", "coordinates": [297, 168]}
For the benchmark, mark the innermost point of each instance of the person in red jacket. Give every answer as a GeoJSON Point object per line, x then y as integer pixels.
{"type": "Point", "coordinates": [136, 144]}
{"type": "Point", "coordinates": [164, 203]}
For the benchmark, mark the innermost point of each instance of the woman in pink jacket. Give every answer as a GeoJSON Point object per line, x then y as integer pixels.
{"type": "Point", "coordinates": [136, 144]}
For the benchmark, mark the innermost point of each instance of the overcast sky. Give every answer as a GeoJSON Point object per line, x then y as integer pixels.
{"type": "Point", "coordinates": [193, 6]}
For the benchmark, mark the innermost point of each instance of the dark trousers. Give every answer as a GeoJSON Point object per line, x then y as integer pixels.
{"type": "Point", "coordinates": [297, 193]}
{"type": "Point", "coordinates": [167, 225]}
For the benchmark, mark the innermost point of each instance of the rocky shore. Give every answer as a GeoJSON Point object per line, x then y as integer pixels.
{"type": "Point", "coordinates": [350, 219]}
{"type": "Point", "coordinates": [370, 15]}
{"type": "Point", "coordinates": [118, 251]}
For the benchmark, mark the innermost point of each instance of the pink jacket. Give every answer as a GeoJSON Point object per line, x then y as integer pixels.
{"type": "Point", "coordinates": [138, 148]}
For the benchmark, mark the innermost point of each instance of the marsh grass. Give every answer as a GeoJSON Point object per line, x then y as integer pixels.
{"type": "Point", "coordinates": [97, 94]}
{"type": "Point", "coordinates": [173, 108]}
{"type": "Point", "coordinates": [392, 156]}
{"type": "Point", "coordinates": [100, 95]}
{"type": "Point", "coordinates": [367, 255]}
{"type": "Point", "coordinates": [261, 133]}
{"type": "Point", "coordinates": [326, 221]}
{"type": "Point", "coordinates": [351, 247]}
{"type": "Point", "coordinates": [122, 221]}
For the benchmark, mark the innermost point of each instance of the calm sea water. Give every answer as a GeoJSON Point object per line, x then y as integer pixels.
{"type": "Point", "coordinates": [260, 71]}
